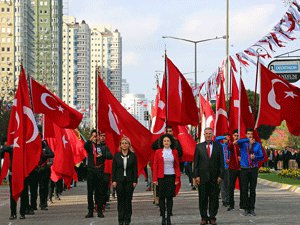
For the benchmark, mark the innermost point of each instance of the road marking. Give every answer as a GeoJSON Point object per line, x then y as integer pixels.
{"type": "Point", "coordinates": [92, 222]}
{"type": "Point", "coordinates": [251, 221]}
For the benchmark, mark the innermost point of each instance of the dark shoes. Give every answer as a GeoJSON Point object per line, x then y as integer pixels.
{"type": "Point", "coordinates": [100, 214]}
{"type": "Point", "coordinates": [251, 213]}
{"type": "Point", "coordinates": [13, 217]}
{"type": "Point", "coordinates": [230, 208]}
{"type": "Point", "coordinates": [29, 212]}
{"type": "Point", "coordinates": [89, 215]}
{"type": "Point", "coordinates": [245, 213]}
{"type": "Point", "coordinates": [22, 217]}
{"type": "Point", "coordinates": [44, 208]}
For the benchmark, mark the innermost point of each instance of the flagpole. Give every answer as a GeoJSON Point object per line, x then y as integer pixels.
{"type": "Point", "coordinates": [167, 86]}
{"type": "Point", "coordinates": [240, 96]}
{"type": "Point", "coordinates": [256, 78]}
{"type": "Point", "coordinates": [96, 98]}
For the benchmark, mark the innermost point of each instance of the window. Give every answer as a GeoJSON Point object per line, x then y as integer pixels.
{"type": "Point", "coordinates": [8, 10]}
{"type": "Point", "coordinates": [2, 10]}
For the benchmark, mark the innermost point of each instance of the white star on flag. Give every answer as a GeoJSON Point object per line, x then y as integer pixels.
{"type": "Point", "coordinates": [60, 108]}
{"type": "Point", "coordinates": [64, 141]}
{"type": "Point", "coordinates": [290, 94]}
{"type": "Point", "coordinates": [16, 145]}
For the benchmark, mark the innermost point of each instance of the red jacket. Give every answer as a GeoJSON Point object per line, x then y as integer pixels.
{"type": "Point", "coordinates": [158, 165]}
{"type": "Point", "coordinates": [234, 163]}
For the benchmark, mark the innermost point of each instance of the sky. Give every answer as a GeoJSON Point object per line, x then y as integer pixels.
{"type": "Point", "coordinates": [142, 23]}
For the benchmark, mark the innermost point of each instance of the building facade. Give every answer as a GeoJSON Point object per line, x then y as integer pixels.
{"type": "Point", "coordinates": [106, 58]}
{"type": "Point", "coordinates": [48, 43]}
{"type": "Point", "coordinates": [125, 87]}
{"type": "Point", "coordinates": [76, 66]}
{"type": "Point", "coordinates": [16, 44]}
{"type": "Point", "coordinates": [136, 105]}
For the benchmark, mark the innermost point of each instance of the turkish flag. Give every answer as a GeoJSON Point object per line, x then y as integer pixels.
{"type": "Point", "coordinates": [209, 114]}
{"type": "Point", "coordinates": [23, 134]}
{"type": "Point", "coordinates": [181, 105]}
{"type": "Point", "coordinates": [49, 104]}
{"type": "Point", "coordinates": [63, 163]}
{"type": "Point", "coordinates": [234, 104]}
{"type": "Point", "coordinates": [116, 122]}
{"type": "Point", "coordinates": [187, 142]}
{"type": "Point", "coordinates": [245, 115]}
{"type": "Point", "coordinates": [158, 125]}
{"type": "Point", "coordinates": [279, 100]}
{"type": "Point", "coordinates": [77, 145]}
{"type": "Point", "coordinates": [221, 114]}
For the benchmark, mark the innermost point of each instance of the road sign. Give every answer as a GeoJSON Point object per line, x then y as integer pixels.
{"type": "Point", "coordinates": [288, 69]}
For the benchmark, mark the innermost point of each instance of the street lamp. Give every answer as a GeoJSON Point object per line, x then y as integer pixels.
{"type": "Point", "coordinates": [195, 43]}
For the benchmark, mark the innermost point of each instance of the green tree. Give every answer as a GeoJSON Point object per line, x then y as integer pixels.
{"type": "Point", "coordinates": [4, 119]}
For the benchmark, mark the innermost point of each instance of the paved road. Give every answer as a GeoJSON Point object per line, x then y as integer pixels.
{"type": "Point", "coordinates": [274, 207]}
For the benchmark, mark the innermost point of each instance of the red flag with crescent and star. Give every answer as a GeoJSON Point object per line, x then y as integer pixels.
{"type": "Point", "coordinates": [279, 100]}
{"type": "Point", "coordinates": [49, 104]}
{"type": "Point", "coordinates": [116, 122]}
{"type": "Point", "coordinates": [23, 134]}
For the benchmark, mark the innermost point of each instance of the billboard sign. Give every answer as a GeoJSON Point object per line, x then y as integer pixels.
{"type": "Point", "coordinates": [288, 69]}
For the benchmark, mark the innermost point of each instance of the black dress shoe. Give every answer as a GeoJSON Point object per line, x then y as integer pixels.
{"type": "Point", "coordinates": [89, 215]}
{"type": "Point", "coordinates": [230, 209]}
{"type": "Point", "coordinates": [13, 217]}
{"type": "Point", "coordinates": [44, 208]}
{"type": "Point", "coordinates": [22, 217]}
{"type": "Point", "coordinates": [100, 214]}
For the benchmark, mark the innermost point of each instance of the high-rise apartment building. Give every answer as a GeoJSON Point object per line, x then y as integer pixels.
{"type": "Point", "coordinates": [125, 87]}
{"type": "Point", "coordinates": [106, 57]}
{"type": "Point", "coordinates": [76, 66]}
{"type": "Point", "coordinates": [136, 105]}
{"type": "Point", "coordinates": [48, 43]}
{"type": "Point", "coordinates": [16, 43]}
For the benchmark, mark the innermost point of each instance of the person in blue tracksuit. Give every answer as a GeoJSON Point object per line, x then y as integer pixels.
{"type": "Point", "coordinates": [251, 154]}
{"type": "Point", "coordinates": [224, 140]}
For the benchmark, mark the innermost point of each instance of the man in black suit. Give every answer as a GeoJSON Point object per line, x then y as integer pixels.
{"type": "Point", "coordinates": [208, 172]}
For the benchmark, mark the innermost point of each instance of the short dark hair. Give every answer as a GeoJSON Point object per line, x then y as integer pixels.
{"type": "Point", "coordinates": [249, 129]}
{"type": "Point", "coordinates": [235, 131]}
{"type": "Point", "coordinates": [226, 134]}
{"type": "Point", "coordinates": [169, 127]}
{"type": "Point", "coordinates": [172, 139]}
{"type": "Point", "coordinates": [93, 131]}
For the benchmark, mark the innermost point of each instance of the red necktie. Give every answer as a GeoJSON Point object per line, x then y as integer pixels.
{"type": "Point", "coordinates": [208, 150]}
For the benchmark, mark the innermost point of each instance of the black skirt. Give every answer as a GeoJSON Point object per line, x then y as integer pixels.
{"type": "Point", "coordinates": [166, 186]}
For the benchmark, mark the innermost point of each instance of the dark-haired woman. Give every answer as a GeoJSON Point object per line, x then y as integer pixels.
{"type": "Point", "coordinates": [166, 174]}
{"type": "Point", "coordinates": [124, 179]}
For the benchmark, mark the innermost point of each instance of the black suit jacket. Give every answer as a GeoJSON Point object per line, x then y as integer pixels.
{"type": "Point", "coordinates": [208, 169]}
{"type": "Point", "coordinates": [118, 168]}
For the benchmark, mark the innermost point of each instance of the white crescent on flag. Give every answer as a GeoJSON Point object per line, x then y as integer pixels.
{"type": "Point", "coordinates": [112, 121]}
{"type": "Point", "coordinates": [28, 112]}
{"type": "Point", "coordinates": [272, 96]}
{"type": "Point", "coordinates": [44, 100]}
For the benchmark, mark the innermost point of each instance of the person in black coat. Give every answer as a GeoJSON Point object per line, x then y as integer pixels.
{"type": "Point", "coordinates": [124, 179]}
{"type": "Point", "coordinates": [98, 152]}
{"type": "Point", "coordinates": [208, 172]}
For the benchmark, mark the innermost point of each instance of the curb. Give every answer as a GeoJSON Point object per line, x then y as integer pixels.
{"type": "Point", "coordinates": [287, 187]}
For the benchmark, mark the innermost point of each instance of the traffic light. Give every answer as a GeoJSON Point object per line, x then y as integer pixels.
{"type": "Point", "coordinates": [146, 115]}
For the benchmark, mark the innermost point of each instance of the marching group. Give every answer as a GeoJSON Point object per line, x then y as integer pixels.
{"type": "Point", "coordinates": [218, 163]}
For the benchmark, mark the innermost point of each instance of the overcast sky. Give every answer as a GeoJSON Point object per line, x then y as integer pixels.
{"type": "Point", "coordinates": [142, 23]}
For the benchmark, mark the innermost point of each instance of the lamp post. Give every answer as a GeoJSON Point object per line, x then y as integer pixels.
{"type": "Point", "coordinates": [195, 44]}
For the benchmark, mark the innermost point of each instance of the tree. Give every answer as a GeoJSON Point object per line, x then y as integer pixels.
{"type": "Point", "coordinates": [4, 118]}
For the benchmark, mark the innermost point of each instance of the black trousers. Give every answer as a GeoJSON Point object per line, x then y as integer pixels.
{"type": "Point", "coordinates": [124, 193]}
{"type": "Point", "coordinates": [24, 198]}
{"type": "Point", "coordinates": [248, 188]}
{"type": "Point", "coordinates": [225, 187]}
{"type": "Point", "coordinates": [209, 199]}
{"type": "Point", "coordinates": [44, 179]}
{"type": "Point", "coordinates": [166, 192]}
{"type": "Point", "coordinates": [233, 175]}
{"type": "Point", "coordinates": [33, 181]}
{"type": "Point", "coordinates": [95, 189]}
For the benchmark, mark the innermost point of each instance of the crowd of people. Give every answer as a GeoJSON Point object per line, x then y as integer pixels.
{"type": "Point", "coordinates": [218, 163]}
{"type": "Point", "coordinates": [288, 158]}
